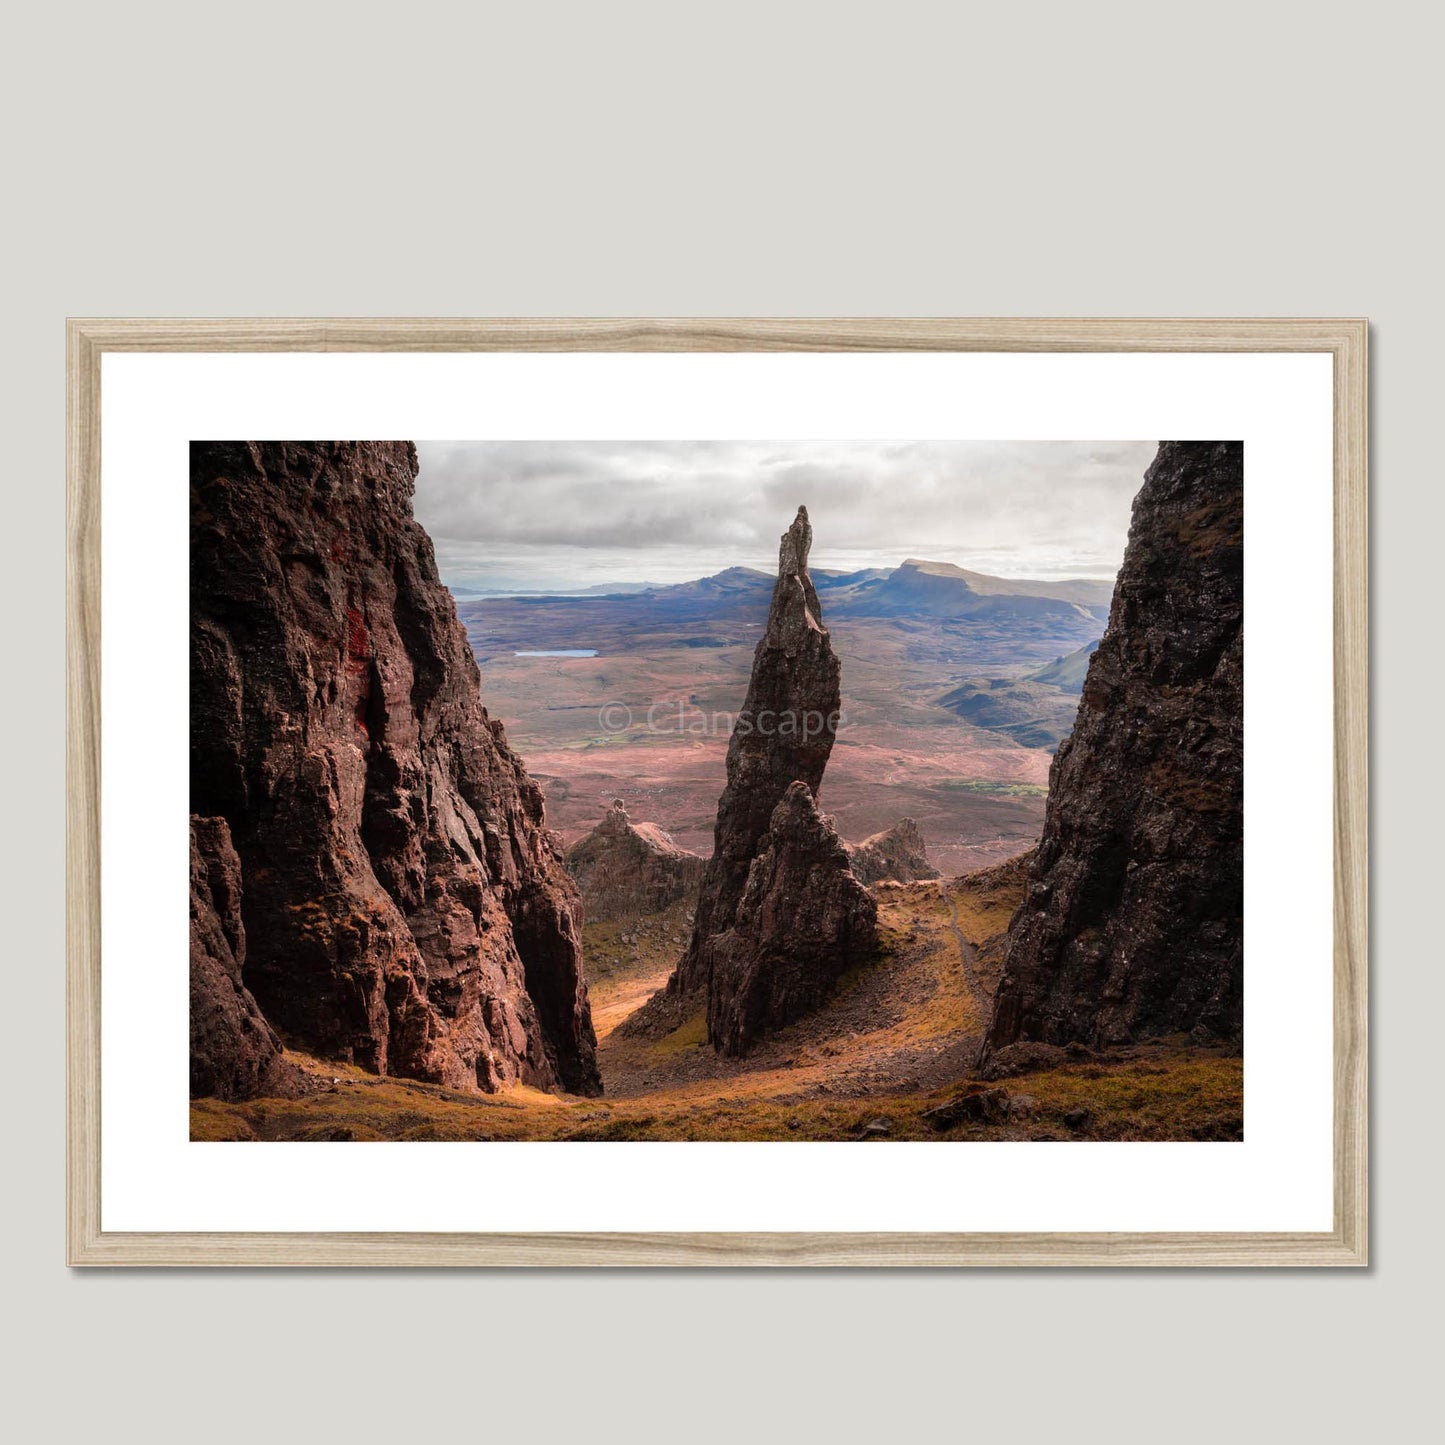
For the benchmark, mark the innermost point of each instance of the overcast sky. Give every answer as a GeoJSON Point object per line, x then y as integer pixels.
{"type": "Point", "coordinates": [555, 515]}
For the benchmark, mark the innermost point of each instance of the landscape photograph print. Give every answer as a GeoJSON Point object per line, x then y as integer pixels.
{"type": "Point", "coordinates": [791, 791]}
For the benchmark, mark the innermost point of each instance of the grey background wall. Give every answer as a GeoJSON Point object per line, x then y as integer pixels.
{"type": "Point", "coordinates": [365, 159]}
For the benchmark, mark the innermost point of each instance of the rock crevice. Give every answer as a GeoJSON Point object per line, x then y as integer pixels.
{"type": "Point", "coordinates": [235, 1053]}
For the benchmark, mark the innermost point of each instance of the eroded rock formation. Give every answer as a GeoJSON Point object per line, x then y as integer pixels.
{"type": "Point", "coordinates": [404, 906]}
{"type": "Point", "coordinates": [803, 921]}
{"type": "Point", "coordinates": [783, 734]}
{"type": "Point", "coordinates": [235, 1053]}
{"type": "Point", "coordinates": [624, 869]}
{"type": "Point", "coordinates": [1131, 926]}
{"type": "Point", "coordinates": [897, 854]}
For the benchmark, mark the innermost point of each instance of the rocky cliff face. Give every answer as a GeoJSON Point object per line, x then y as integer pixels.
{"type": "Point", "coordinates": [803, 921]}
{"type": "Point", "coordinates": [1132, 923]}
{"type": "Point", "coordinates": [624, 869]}
{"type": "Point", "coordinates": [896, 854]}
{"type": "Point", "coordinates": [235, 1053]}
{"type": "Point", "coordinates": [404, 906]}
{"type": "Point", "coordinates": [783, 735]}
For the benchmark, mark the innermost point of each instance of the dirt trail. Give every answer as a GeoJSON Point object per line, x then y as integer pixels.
{"type": "Point", "coordinates": [610, 1005]}
{"type": "Point", "coordinates": [967, 953]}
{"type": "Point", "coordinates": [909, 1022]}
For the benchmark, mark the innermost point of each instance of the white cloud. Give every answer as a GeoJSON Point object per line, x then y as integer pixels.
{"type": "Point", "coordinates": [552, 514]}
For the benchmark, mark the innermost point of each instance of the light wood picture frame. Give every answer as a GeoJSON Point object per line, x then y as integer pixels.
{"type": "Point", "coordinates": [1345, 340]}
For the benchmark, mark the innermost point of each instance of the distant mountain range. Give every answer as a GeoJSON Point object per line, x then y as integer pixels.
{"type": "Point", "coordinates": [598, 589]}
{"type": "Point", "coordinates": [939, 589]}
{"type": "Point", "coordinates": [939, 684]}
{"type": "Point", "coordinates": [916, 588]}
{"type": "Point", "coordinates": [952, 622]}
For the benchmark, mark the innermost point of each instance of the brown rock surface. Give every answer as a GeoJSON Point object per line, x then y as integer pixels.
{"type": "Point", "coordinates": [405, 908]}
{"type": "Point", "coordinates": [783, 734]}
{"type": "Point", "coordinates": [1132, 923]}
{"type": "Point", "coordinates": [897, 854]}
{"type": "Point", "coordinates": [803, 921]}
{"type": "Point", "coordinates": [235, 1053]}
{"type": "Point", "coordinates": [624, 869]}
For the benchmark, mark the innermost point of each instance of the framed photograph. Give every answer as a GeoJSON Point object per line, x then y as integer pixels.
{"type": "Point", "coordinates": [613, 778]}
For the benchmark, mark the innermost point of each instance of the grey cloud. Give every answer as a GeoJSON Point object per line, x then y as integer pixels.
{"type": "Point", "coordinates": [554, 513]}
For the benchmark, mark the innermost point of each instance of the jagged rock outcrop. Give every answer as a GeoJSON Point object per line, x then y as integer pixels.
{"type": "Point", "coordinates": [897, 854]}
{"type": "Point", "coordinates": [1131, 926]}
{"type": "Point", "coordinates": [404, 906]}
{"type": "Point", "coordinates": [235, 1053]}
{"type": "Point", "coordinates": [624, 869]}
{"type": "Point", "coordinates": [783, 734]}
{"type": "Point", "coordinates": [803, 921]}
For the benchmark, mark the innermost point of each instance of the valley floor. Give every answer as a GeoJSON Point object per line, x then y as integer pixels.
{"type": "Point", "coordinates": [892, 1049]}
{"type": "Point", "coordinates": [648, 720]}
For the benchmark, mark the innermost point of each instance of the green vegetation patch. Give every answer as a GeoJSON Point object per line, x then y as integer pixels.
{"type": "Point", "coordinates": [995, 789]}
{"type": "Point", "coordinates": [689, 1035]}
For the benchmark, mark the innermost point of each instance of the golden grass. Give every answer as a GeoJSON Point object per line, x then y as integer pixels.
{"type": "Point", "coordinates": [628, 962]}
{"type": "Point", "coordinates": [1162, 1093]}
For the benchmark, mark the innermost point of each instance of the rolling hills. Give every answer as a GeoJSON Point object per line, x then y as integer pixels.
{"type": "Point", "coordinates": [647, 718]}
